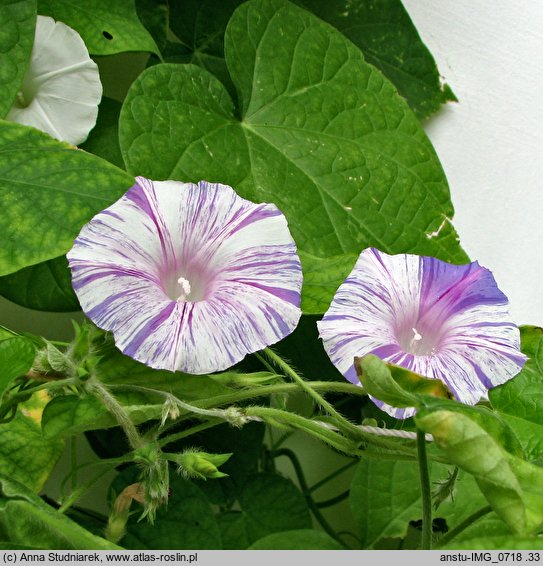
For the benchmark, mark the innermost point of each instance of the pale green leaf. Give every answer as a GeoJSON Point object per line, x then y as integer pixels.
{"type": "Point", "coordinates": [106, 27]}
{"type": "Point", "coordinates": [384, 498]}
{"type": "Point", "coordinates": [48, 191]}
{"type": "Point", "coordinates": [520, 400]}
{"type": "Point", "coordinates": [25, 519]}
{"type": "Point", "coordinates": [470, 447]}
{"type": "Point", "coordinates": [115, 368]}
{"type": "Point", "coordinates": [17, 24]}
{"type": "Point", "coordinates": [25, 455]}
{"type": "Point", "coordinates": [467, 499]}
{"type": "Point", "coordinates": [6, 333]}
{"type": "Point", "coordinates": [69, 414]}
{"type": "Point", "coordinates": [16, 358]}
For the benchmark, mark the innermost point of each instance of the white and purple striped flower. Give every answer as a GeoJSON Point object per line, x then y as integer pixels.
{"type": "Point", "coordinates": [444, 321]}
{"type": "Point", "coordinates": [188, 277]}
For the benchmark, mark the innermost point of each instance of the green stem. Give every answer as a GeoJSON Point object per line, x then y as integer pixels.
{"type": "Point", "coordinates": [278, 417]}
{"type": "Point", "coordinates": [333, 500]}
{"type": "Point", "coordinates": [81, 490]}
{"type": "Point", "coordinates": [283, 438]}
{"type": "Point", "coordinates": [49, 386]}
{"type": "Point", "coordinates": [265, 390]}
{"type": "Point", "coordinates": [445, 539]}
{"type": "Point", "coordinates": [189, 432]}
{"type": "Point", "coordinates": [254, 393]}
{"type": "Point", "coordinates": [306, 492]}
{"type": "Point", "coordinates": [426, 541]}
{"type": "Point", "coordinates": [265, 363]}
{"type": "Point", "coordinates": [343, 424]}
{"type": "Point", "coordinates": [101, 392]}
{"type": "Point", "coordinates": [333, 475]}
{"type": "Point", "coordinates": [246, 394]}
{"type": "Point", "coordinates": [73, 458]}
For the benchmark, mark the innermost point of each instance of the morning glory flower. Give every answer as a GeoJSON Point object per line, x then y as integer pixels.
{"type": "Point", "coordinates": [444, 321]}
{"type": "Point", "coordinates": [61, 90]}
{"type": "Point", "coordinates": [188, 277]}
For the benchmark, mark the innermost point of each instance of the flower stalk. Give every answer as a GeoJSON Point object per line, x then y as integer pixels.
{"type": "Point", "coordinates": [426, 538]}
{"type": "Point", "coordinates": [96, 388]}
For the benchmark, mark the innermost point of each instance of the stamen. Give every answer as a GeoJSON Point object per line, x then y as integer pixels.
{"type": "Point", "coordinates": [185, 289]}
{"type": "Point", "coordinates": [21, 100]}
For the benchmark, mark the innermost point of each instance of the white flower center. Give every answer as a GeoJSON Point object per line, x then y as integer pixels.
{"type": "Point", "coordinates": [21, 100]}
{"type": "Point", "coordinates": [184, 287]}
{"type": "Point", "coordinates": [419, 343]}
{"type": "Point", "coordinates": [189, 288]}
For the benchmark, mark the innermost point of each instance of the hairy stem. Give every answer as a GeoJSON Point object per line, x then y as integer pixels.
{"type": "Point", "coordinates": [343, 424]}
{"type": "Point", "coordinates": [277, 417]}
{"type": "Point", "coordinates": [101, 392]}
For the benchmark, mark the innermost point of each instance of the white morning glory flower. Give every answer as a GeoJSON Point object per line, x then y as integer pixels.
{"type": "Point", "coordinates": [188, 277]}
{"type": "Point", "coordinates": [444, 321]}
{"type": "Point", "coordinates": [61, 90]}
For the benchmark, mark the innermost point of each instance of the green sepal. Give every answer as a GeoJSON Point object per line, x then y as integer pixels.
{"type": "Point", "coordinates": [396, 385]}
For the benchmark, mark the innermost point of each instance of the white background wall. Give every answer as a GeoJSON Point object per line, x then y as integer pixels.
{"type": "Point", "coordinates": [491, 143]}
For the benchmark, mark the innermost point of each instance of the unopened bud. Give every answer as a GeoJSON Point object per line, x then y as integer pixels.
{"type": "Point", "coordinates": [116, 524]}
{"type": "Point", "coordinates": [194, 464]}
{"type": "Point", "coordinates": [51, 361]}
{"type": "Point", "coordinates": [155, 478]}
{"type": "Point", "coordinates": [256, 379]}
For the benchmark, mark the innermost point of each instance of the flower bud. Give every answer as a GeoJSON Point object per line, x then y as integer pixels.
{"type": "Point", "coordinates": [194, 464]}
{"type": "Point", "coordinates": [256, 379]}
{"type": "Point", "coordinates": [116, 524]}
{"type": "Point", "coordinates": [155, 478]}
{"type": "Point", "coordinates": [51, 361]}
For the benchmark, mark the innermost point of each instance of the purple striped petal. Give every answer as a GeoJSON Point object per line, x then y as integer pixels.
{"type": "Point", "coordinates": [188, 277]}
{"type": "Point", "coordinates": [449, 322]}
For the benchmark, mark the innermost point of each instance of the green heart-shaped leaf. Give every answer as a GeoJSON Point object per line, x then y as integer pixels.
{"type": "Point", "coordinates": [320, 133]}
{"type": "Point", "coordinates": [106, 27]}
{"type": "Point", "coordinates": [520, 400]}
